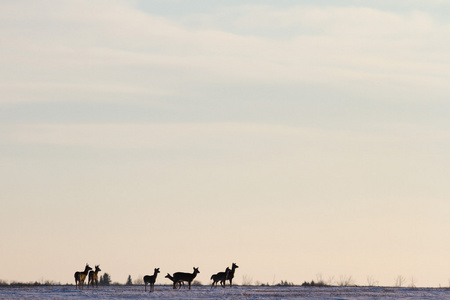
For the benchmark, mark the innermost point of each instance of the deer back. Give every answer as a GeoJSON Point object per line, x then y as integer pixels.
{"type": "Point", "coordinates": [180, 276]}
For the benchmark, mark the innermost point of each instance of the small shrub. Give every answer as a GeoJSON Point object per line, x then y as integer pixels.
{"type": "Point", "coordinates": [196, 283]}
{"type": "Point", "coordinates": [139, 280]}
{"type": "Point", "coordinates": [3, 283]}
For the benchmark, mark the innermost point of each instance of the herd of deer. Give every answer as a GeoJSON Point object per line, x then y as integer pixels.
{"type": "Point", "coordinates": [81, 276]}
{"type": "Point", "coordinates": [177, 278]}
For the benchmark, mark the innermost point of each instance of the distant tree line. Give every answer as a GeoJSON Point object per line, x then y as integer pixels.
{"type": "Point", "coordinates": [312, 283]}
{"type": "Point", "coordinates": [285, 283]}
{"type": "Point", "coordinates": [30, 283]}
{"type": "Point", "coordinates": [105, 279]}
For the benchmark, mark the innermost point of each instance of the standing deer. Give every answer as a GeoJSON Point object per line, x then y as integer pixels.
{"type": "Point", "coordinates": [150, 279]}
{"type": "Point", "coordinates": [230, 274]}
{"type": "Point", "coordinates": [180, 276]}
{"type": "Point", "coordinates": [81, 276]}
{"type": "Point", "coordinates": [93, 276]}
{"type": "Point", "coordinates": [221, 276]}
{"type": "Point", "coordinates": [179, 283]}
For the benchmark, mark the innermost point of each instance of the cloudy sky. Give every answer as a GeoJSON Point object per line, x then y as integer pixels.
{"type": "Point", "coordinates": [298, 139]}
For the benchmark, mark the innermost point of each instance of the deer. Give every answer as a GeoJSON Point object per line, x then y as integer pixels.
{"type": "Point", "coordinates": [150, 279]}
{"type": "Point", "coordinates": [230, 274]}
{"type": "Point", "coordinates": [180, 276]}
{"type": "Point", "coordinates": [179, 283]}
{"type": "Point", "coordinates": [81, 276]}
{"type": "Point", "coordinates": [93, 276]}
{"type": "Point", "coordinates": [221, 276]}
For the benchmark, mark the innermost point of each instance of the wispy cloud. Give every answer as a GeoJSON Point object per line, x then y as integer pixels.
{"type": "Point", "coordinates": [115, 45]}
{"type": "Point", "coordinates": [215, 136]}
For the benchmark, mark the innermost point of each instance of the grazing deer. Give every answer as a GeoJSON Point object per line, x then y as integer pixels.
{"type": "Point", "coordinates": [180, 276]}
{"type": "Point", "coordinates": [179, 283]}
{"type": "Point", "coordinates": [221, 276]}
{"type": "Point", "coordinates": [230, 274]}
{"type": "Point", "coordinates": [93, 276]}
{"type": "Point", "coordinates": [81, 276]}
{"type": "Point", "coordinates": [150, 279]}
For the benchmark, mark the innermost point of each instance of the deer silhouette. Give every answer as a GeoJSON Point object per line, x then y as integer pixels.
{"type": "Point", "coordinates": [180, 276]}
{"type": "Point", "coordinates": [177, 283]}
{"type": "Point", "coordinates": [230, 274]}
{"type": "Point", "coordinates": [220, 277]}
{"type": "Point", "coordinates": [150, 279]}
{"type": "Point", "coordinates": [93, 276]}
{"type": "Point", "coordinates": [81, 276]}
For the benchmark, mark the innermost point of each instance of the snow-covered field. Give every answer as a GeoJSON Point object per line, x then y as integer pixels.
{"type": "Point", "coordinates": [238, 292]}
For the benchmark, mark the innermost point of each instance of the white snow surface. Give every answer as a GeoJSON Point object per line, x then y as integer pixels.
{"type": "Point", "coordinates": [237, 292]}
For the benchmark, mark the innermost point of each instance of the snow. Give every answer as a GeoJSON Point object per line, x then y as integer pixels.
{"type": "Point", "coordinates": [237, 292]}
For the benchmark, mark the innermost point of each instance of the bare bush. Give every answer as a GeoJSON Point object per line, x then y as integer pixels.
{"type": "Point", "coordinates": [345, 280]}
{"type": "Point", "coordinates": [412, 282]}
{"type": "Point", "coordinates": [319, 280]}
{"type": "Point", "coordinates": [247, 280]}
{"type": "Point", "coordinates": [399, 281]}
{"type": "Point", "coordinates": [371, 281]}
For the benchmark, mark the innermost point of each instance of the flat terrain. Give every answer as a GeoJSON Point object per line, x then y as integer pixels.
{"type": "Point", "coordinates": [238, 292]}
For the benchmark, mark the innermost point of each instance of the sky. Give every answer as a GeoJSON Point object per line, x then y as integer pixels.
{"type": "Point", "coordinates": [298, 139]}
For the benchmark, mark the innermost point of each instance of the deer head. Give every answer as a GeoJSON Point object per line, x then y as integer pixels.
{"type": "Point", "coordinates": [87, 268]}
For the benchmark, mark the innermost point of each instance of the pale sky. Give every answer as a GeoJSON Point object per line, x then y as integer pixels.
{"type": "Point", "coordinates": [294, 138]}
